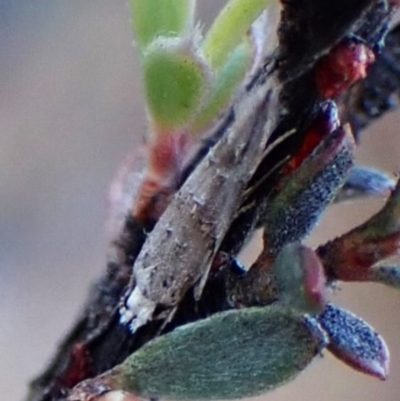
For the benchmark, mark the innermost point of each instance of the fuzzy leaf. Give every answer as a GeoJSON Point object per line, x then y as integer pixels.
{"type": "Point", "coordinates": [229, 28]}
{"type": "Point", "coordinates": [389, 275]}
{"type": "Point", "coordinates": [233, 354]}
{"type": "Point", "coordinates": [355, 342]}
{"type": "Point", "coordinates": [168, 18]}
{"type": "Point", "coordinates": [365, 181]}
{"type": "Point", "coordinates": [305, 193]}
{"type": "Point", "coordinates": [175, 80]}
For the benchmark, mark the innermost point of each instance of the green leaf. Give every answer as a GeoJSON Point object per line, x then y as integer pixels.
{"type": "Point", "coordinates": [225, 83]}
{"type": "Point", "coordinates": [175, 81]}
{"type": "Point", "coordinates": [154, 18]}
{"type": "Point", "coordinates": [228, 29]}
{"type": "Point", "coordinates": [233, 354]}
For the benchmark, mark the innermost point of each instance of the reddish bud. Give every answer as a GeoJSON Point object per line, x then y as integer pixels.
{"type": "Point", "coordinates": [166, 157]}
{"type": "Point", "coordinates": [344, 65]}
{"type": "Point", "coordinates": [78, 366]}
{"type": "Point", "coordinates": [325, 123]}
{"type": "Point", "coordinates": [352, 256]}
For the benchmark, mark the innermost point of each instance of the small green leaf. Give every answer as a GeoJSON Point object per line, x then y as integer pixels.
{"type": "Point", "coordinates": [225, 83]}
{"type": "Point", "coordinates": [229, 28]}
{"type": "Point", "coordinates": [233, 354]}
{"type": "Point", "coordinates": [175, 81]}
{"type": "Point", "coordinates": [154, 18]}
{"type": "Point", "coordinates": [300, 278]}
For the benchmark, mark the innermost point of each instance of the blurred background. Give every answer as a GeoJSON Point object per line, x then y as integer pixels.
{"type": "Point", "coordinates": [70, 111]}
